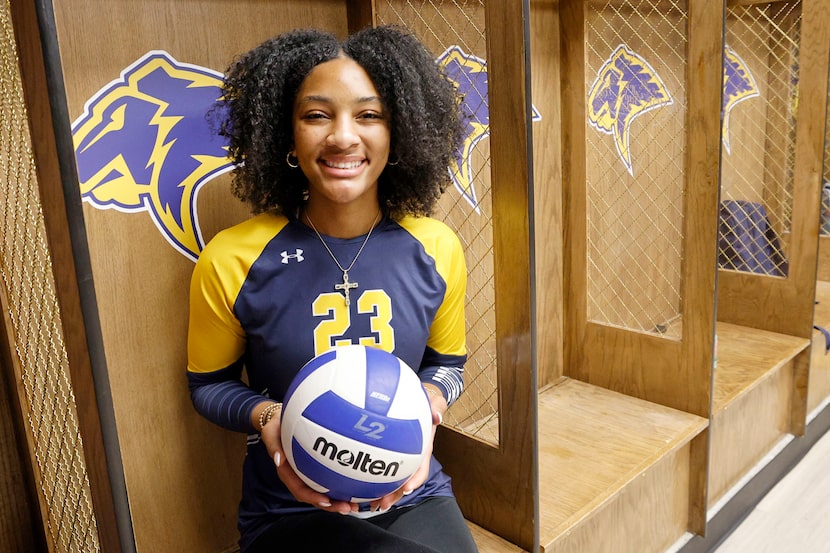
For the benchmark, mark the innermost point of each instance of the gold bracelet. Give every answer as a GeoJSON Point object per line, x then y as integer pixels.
{"type": "Point", "coordinates": [267, 414]}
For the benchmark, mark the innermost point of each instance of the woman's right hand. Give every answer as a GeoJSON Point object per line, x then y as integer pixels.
{"type": "Point", "coordinates": [299, 489]}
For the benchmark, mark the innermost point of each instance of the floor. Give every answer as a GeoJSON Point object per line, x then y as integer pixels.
{"type": "Point", "coordinates": [794, 517]}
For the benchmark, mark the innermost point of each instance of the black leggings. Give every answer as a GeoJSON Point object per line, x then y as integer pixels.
{"type": "Point", "coordinates": [433, 526]}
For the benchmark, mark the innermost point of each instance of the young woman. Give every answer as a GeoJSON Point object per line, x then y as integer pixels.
{"type": "Point", "coordinates": [342, 150]}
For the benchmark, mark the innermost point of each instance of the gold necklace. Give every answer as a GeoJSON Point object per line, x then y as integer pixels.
{"type": "Point", "coordinates": [345, 286]}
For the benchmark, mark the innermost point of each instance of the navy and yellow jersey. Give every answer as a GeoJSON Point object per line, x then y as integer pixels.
{"type": "Point", "coordinates": [263, 297]}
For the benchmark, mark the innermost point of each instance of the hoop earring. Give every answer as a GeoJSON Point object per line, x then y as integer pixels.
{"type": "Point", "coordinates": [288, 160]}
{"type": "Point", "coordinates": [393, 163]}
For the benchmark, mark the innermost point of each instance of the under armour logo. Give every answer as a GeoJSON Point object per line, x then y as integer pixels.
{"type": "Point", "coordinates": [298, 255]}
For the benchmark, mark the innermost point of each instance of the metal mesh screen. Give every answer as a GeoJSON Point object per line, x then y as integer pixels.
{"type": "Point", "coordinates": [37, 339]}
{"type": "Point", "coordinates": [635, 81]}
{"type": "Point", "coordinates": [454, 31]}
{"type": "Point", "coordinates": [759, 110]}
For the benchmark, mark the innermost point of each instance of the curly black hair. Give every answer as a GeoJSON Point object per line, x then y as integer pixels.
{"type": "Point", "coordinates": [256, 116]}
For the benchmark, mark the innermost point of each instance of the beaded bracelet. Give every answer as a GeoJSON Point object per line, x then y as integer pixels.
{"type": "Point", "coordinates": [267, 414]}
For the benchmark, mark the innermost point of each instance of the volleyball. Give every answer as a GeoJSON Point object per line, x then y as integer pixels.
{"type": "Point", "coordinates": [355, 423]}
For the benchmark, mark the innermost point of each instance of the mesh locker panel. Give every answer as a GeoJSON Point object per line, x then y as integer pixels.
{"type": "Point", "coordinates": [35, 331]}
{"type": "Point", "coordinates": [467, 208]}
{"type": "Point", "coordinates": [635, 170]}
{"type": "Point", "coordinates": [760, 108]}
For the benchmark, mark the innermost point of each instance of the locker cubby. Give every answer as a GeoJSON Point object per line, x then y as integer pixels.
{"type": "Point", "coordinates": [767, 234]}
{"type": "Point", "coordinates": [640, 134]}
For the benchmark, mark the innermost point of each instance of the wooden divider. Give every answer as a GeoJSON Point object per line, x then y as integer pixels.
{"type": "Point", "coordinates": [547, 189]}
{"type": "Point", "coordinates": [605, 353]}
{"type": "Point", "coordinates": [491, 459]}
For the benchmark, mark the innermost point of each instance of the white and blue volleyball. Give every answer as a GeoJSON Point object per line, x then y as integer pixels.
{"type": "Point", "coordinates": [356, 423]}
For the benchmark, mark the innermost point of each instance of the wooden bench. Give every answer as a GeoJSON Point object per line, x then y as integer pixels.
{"type": "Point", "coordinates": [613, 471]}
{"type": "Point", "coordinates": [752, 396]}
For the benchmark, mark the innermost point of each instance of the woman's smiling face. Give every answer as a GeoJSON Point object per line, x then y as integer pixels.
{"type": "Point", "coordinates": [341, 133]}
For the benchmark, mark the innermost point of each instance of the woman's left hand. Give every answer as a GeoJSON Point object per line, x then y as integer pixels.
{"type": "Point", "coordinates": [438, 405]}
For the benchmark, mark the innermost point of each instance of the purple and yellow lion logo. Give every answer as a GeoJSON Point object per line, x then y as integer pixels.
{"type": "Point", "coordinates": [143, 143]}
{"type": "Point", "coordinates": [625, 88]}
{"type": "Point", "coordinates": [738, 85]}
{"type": "Point", "coordinates": [469, 73]}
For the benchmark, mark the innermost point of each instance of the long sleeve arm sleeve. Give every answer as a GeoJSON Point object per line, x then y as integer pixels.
{"type": "Point", "coordinates": [223, 398]}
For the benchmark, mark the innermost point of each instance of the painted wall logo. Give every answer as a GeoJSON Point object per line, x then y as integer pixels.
{"type": "Point", "coordinates": [143, 144]}
{"type": "Point", "coordinates": [738, 85]}
{"type": "Point", "coordinates": [625, 88]}
{"type": "Point", "coordinates": [469, 73]}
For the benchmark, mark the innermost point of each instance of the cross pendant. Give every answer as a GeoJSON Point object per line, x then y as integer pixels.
{"type": "Point", "coordinates": [346, 286]}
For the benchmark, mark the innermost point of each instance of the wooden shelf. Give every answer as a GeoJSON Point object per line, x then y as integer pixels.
{"type": "Point", "coordinates": [605, 459]}
{"type": "Point", "coordinates": [746, 356]}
